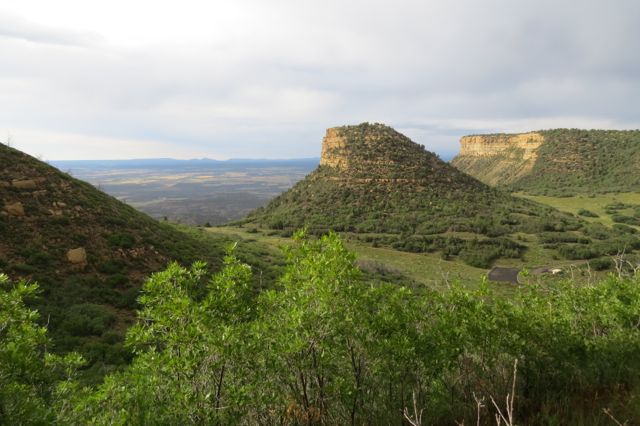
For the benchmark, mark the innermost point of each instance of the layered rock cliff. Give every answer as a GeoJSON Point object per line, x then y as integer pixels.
{"type": "Point", "coordinates": [333, 147]}
{"type": "Point", "coordinates": [554, 162]}
{"type": "Point", "coordinates": [377, 152]}
{"type": "Point", "coordinates": [482, 146]}
{"type": "Point", "coordinates": [498, 159]}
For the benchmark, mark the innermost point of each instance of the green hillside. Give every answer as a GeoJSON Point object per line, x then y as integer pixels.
{"type": "Point", "coordinates": [384, 189]}
{"type": "Point", "coordinates": [567, 162]}
{"type": "Point", "coordinates": [89, 253]}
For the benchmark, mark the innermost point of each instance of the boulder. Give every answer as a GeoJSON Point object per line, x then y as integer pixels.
{"type": "Point", "coordinates": [77, 255]}
{"type": "Point", "coordinates": [15, 209]}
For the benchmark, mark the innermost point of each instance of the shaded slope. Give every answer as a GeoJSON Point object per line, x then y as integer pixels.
{"type": "Point", "coordinates": [88, 251]}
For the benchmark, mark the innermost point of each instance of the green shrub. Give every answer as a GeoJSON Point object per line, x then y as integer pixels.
{"type": "Point", "coordinates": [87, 320]}
{"type": "Point", "coordinates": [60, 221]}
{"type": "Point", "coordinates": [597, 230]}
{"type": "Point", "coordinates": [121, 240]}
{"type": "Point", "coordinates": [22, 268]}
{"type": "Point", "coordinates": [587, 213]}
{"type": "Point", "coordinates": [601, 264]}
{"type": "Point", "coordinates": [629, 220]}
{"type": "Point", "coordinates": [562, 237]}
{"type": "Point", "coordinates": [578, 251]}
{"type": "Point", "coordinates": [325, 339]}
{"type": "Point", "coordinates": [116, 280]}
{"type": "Point", "coordinates": [624, 229]}
{"type": "Point", "coordinates": [40, 259]}
{"type": "Point", "coordinates": [111, 267]}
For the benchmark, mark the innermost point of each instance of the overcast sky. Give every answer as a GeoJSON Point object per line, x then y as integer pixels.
{"type": "Point", "coordinates": [83, 79]}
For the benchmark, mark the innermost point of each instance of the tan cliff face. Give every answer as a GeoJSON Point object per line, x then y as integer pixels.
{"type": "Point", "coordinates": [498, 159]}
{"type": "Point", "coordinates": [339, 152]}
{"type": "Point", "coordinates": [369, 148]}
{"type": "Point", "coordinates": [481, 146]}
{"type": "Point", "coordinates": [333, 147]}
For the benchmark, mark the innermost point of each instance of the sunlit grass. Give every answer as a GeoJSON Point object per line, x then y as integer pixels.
{"type": "Point", "coordinates": [595, 204]}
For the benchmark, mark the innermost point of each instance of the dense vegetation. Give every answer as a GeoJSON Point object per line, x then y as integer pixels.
{"type": "Point", "coordinates": [569, 162]}
{"type": "Point", "coordinates": [323, 347]}
{"type": "Point", "coordinates": [88, 305]}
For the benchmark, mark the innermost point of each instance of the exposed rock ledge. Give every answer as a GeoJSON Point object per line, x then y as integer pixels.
{"type": "Point", "coordinates": [490, 145]}
{"type": "Point", "coordinates": [498, 159]}
{"type": "Point", "coordinates": [333, 145]}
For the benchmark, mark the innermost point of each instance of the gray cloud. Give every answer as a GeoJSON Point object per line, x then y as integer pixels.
{"type": "Point", "coordinates": [277, 74]}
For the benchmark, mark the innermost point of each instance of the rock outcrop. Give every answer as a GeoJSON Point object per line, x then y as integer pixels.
{"type": "Point", "coordinates": [375, 152]}
{"type": "Point", "coordinates": [498, 159]}
{"type": "Point", "coordinates": [77, 255]}
{"type": "Point", "coordinates": [491, 145]}
{"type": "Point", "coordinates": [558, 161]}
{"type": "Point", "coordinates": [24, 184]}
{"type": "Point", "coordinates": [15, 209]}
{"type": "Point", "coordinates": [333, 150]}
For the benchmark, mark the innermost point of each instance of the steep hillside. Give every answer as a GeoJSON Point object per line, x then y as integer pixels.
{"type": "Point", "coordinates": [88, 251]}
{"type": "Point", "coordinates": [376, 183]}
{"type": "Point", "coordinates": [554, 162]}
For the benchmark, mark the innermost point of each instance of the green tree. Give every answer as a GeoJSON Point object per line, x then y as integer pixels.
{"type": "Point", "coordinates": [187, 368]}
{"type": "Point", "coordinates": [327, 347]}
{"type": "Point", "coordinates": [32, 380]}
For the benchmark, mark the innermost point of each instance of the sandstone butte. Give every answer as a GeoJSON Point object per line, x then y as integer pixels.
{"type": "Point", "coordinates": [372, 173]}
{"type": "Point", "coordinates": [375, 152]}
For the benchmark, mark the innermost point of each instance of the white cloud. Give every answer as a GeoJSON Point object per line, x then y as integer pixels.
{"type": "Point", "coordinates": [73, 146]}
{"type": "Point", "coordinates": [249, 78]}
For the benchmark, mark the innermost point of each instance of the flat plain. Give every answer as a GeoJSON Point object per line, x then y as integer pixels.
{"type": "Point", "coordinates": [193, 192]}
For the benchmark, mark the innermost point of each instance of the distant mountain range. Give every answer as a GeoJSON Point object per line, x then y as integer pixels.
{"type": "Point", "coordinates": [171, 163]}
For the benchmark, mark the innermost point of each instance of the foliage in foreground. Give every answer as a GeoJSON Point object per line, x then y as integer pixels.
{"type": "Point", "coordinates": [31, 379]}
{"type": "Point", "coordinates": [325, 348]}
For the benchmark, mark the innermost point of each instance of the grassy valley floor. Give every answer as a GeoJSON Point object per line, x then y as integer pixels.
{"type": "Point", "coordinates": [594, 203]}
{"type": "Point", "coordinates": [430, 269]}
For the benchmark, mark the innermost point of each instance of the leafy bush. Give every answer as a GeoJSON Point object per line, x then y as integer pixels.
{"type": "Point", "coordinates": [121, 240]}
{"type": "Point", "coordinates": [562, 237]}
{"type": "Point", "coordinates": [578, 251]}
{"type": "Point", "coordinates": [117, 280]}
{"type": "Point", "coordinates": [597, 231]}
{"type": "Point", "coordinates": [587, 213]}
{"type": "Point", "coordinates": [601, 264]}
{"type": "Point", "coordinates": [629, 220]}
{"type": "Point", "coordinates": [624, 229]}
{"type": "Point", "coordinates": [40, 259]}
{"type": "Point", "coordinates": [22, 268]}
{"type": "Point", "coordinates": [87, 320]}
{"type": "Point", "coordinates": [111, 267]}
{"type": "Point", "coordinates": [325, 349]}
{"type": "Point", "coordinates": [30, 374]}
